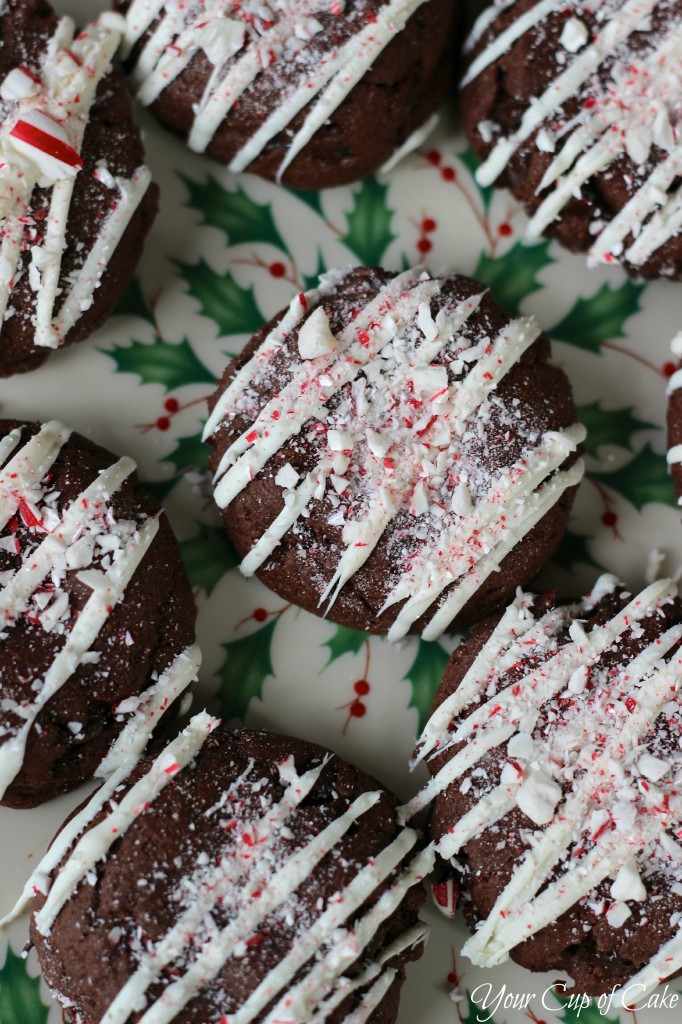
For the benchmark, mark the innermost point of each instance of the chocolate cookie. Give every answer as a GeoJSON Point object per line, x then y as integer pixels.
{"type": "Point", "coordinates": [575, 108]}
{"type": "Point", "coordinates": [312, 93]}
{"type": "Point", "coordinates": [244, 877]}
{"type": "Point", "coordinates": [675, 418]}
{"type": "Point", "coordinates": [75, 197]}
{"type": "Point", "coordinates": [554, 750]}
{"type": "Point", "coordinates": [395, 452]}
{"type": "Point", "coordinates": [96, 612]}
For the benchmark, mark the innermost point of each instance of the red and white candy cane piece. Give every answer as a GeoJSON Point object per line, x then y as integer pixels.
{"type": "Point", "coordinates": [19, 84]}
{"type": "Point", "coordinates": [445, 896]}
{"type": "Point", "coordinates": [45, 142]}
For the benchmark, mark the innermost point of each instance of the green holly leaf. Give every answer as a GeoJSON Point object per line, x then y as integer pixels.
{"type": "Point", "coordinates": [235, 213]}
{"type": "Point", "coordinates": [609, 427]}
{"type": "Point", "coordinates": [133, 303]}
{"type": "Point", "coordinates": [161, 362]}
{"type": "Point", "coordinates": [311, 199]}
{"type": "Point", "coordinates": [344, 641]}
{"type": "Point", "coordinates": [247, 667]}
{"type": "Point", "coordinates": [189, 453]}
{"type": "Point", "coordinates": [645, 478]}
{"type": "Point", "coordinates": [572, 549]}
{"type": "Point", "coordinates": [220, 298]}
{"type": "Point", "coordinates": [426, 674]}
{"type": "Point", "coordinates": [208, 556]}
{"type": "Point", "coordinates": [600, 318]}
{"type": "Point", "coordinates": [20, 1001]}
{"type": "Point", "coordinates": [473, 1013]}
{"type": "Point", "coordinates": [513, 276]}
{"type": "Point", "coordinates": [472, 163]}
{"type": "Point", "coordinates": [369, 223]}
{"type": "Point", "coordinates": [311, 281]}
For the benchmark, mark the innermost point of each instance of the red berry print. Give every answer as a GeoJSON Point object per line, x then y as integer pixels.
{"type": "Point", "coordinates": [163, 423]}
{"type": "Point", "coordinates": [434, 157]}
{"type": "Point", "coordinates": [424, 245]}
{"type": "Point", "coordinates": [260, 615]}
{"type": "Point", "coordinates": [505, 230]}
{"type": "Point", "coordinates": [448, 174]}
{"type": "Point", "coordinates": [669, 369]}
{"type": "Point", "coordinates": [277, 269]}
{"type": "Point", "coordinates": [358, 709]}
{"type": "Point", "coordinates": [171, 405]}
{"type": "Point", "coordinates": [362, 687]}
{"type": "Point", "coordinates": [609, 518]}
{"type": "Point", "coordinates": [428, 225]}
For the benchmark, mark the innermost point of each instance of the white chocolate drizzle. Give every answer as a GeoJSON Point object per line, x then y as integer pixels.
{"type": "Point", "coordinates": [393, 405]}
{"type": "Point", "coordinates": [241, 42]}
{"type": "Point", "coordinates": [61, 544]}
{"type": "Point", "coordinates": [258, 878]}
{"type": "Point", "coordinates": [635, 114]}
{"type": "Point", "coordinates": [587, 762]}
{"type": "Point", "coordinates": [46, 111]}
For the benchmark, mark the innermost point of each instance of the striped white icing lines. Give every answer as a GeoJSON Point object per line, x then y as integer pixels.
{"type": "Point", "coordinates": [388, 353]}
{"type": "Point", "coordinates": [597, 804]}
{"type": "Point", "coordinates": [259, 885]}
{"type": "Point", "coordinates": [115, 768]}
{"type": "Point", "coordinates": [640, 103]}
{"type": "Point", "coordinates": [24, 470]}
{"type": "Point", "coordinates": [240, 50]}
{"type": "Point", "coordinates": [70, 73]}
{"type": "Point", "coordinates": [674, 455]}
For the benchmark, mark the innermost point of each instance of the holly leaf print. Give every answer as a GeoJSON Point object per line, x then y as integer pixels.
{"type": "Point", "coordinates": [593, 321]}
{"type": "Point", "coordinates": [513, 276]}
{"type": "Point", "coordinates": [20, 1001]}
{"type": "Point", "coordinates": [240, 217]}
{"type": "Point", "coordinates": [222, 300]}
{"type": "Point", "coordinates": [208, 556]}
{"type": "Point", "coordinates": [609, 427]}
{"type": "Point", "coordinates": [645, 478]}
{"type": "Point", "coordinates": [189, 453]}
{"type": "Point", "coordinates": [247, 667]}
{"type": "Point", "coordinates": [369, 223]}
{"type": "Point", "coordinates": [426, 674]}
{"type": "Point", "coordinates": [344, 641]}
{"type": "Point", "coordinates": [311, 199]}
{"type": "Point", "coordinates": [133, 303]}
{"type": "Point", "coordinates": [472, 163]}
{"type": "Point", "coordinates": [161, 362]}
{"type": "Point", "coordinates": [572, 549]}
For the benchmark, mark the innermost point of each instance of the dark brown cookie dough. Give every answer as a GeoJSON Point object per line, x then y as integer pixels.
{"type": "Point", "coordinates": [408, 80]}
{"type": "Point", "coordinates": [402, 440]}
{"type": "Point", "coordinates": [621, 99]}
{"type": "Point", "coordinates": [111, 149]}
{"type": "Point", "coordinates": [577, 758]}
{"type": "Point", "coordinates": [142, 634]}
{"type": "Point", "coordinates": [214, 842]}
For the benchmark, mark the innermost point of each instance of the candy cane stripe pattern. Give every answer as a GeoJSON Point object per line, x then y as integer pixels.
{"type": "Point", "coordinates": [576, 107]}
{"type": "Point", "coordinates": [256, 878]}
{"type": "Point", "coordinates": [395, 452]}
{"type": "Point", "coordinates": [271, 86]}
{"type": "Point", "coordinates": [75, 197]}
{"type": "Point", "coordinates": [555, 759]}
{"type": "Point", "coordinates": [91, 654]}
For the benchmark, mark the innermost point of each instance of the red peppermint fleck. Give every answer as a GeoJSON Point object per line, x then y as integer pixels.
{"type": "Point", "coordinates": [172, 768]}
{"type": "Point", "coordinates": [303, 300]}
{"type": "Point", "coordinates": [28, 515]}
{"type": "Point", "coordinates": [46, 143]}
{"type": "Point", "coordinates": [252, 436]}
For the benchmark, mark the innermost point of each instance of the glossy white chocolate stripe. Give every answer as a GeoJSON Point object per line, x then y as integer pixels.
{"type": "Point", "coordinates": [325, 973]}
{"type": "Point", "coordinates": [71, 72]}
{"type": "Point", "coordinates": [593, 147]}
{"type": "Point", "coordinates": [324, 86]}
{"type": "Point", "coordinates": [648, 684]}
{"type": "Point", "coordinates": [211, 888]}
{"type": "Point", "coordinates": [471, 545]}
{"type": "Point", "coordinates": [96, 843]}
{"type": "Point", "coordinates": [153, 703]}
{"type": "Point", "coordinates": [537, 686]}
{"type": "Point", "coordinates": [29, 465]}
{"type": "Point", "coordinates": [97, 609]}
{"type": "Point", "coordinates": [275, 889]}
{"type": "Point", "coordinates": [501, 45]}
{"type": "Point", "coordinates": [272, 345]}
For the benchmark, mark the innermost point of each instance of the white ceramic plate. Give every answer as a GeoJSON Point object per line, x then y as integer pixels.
{"type": "Point", "coordinates": [226, 253]}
